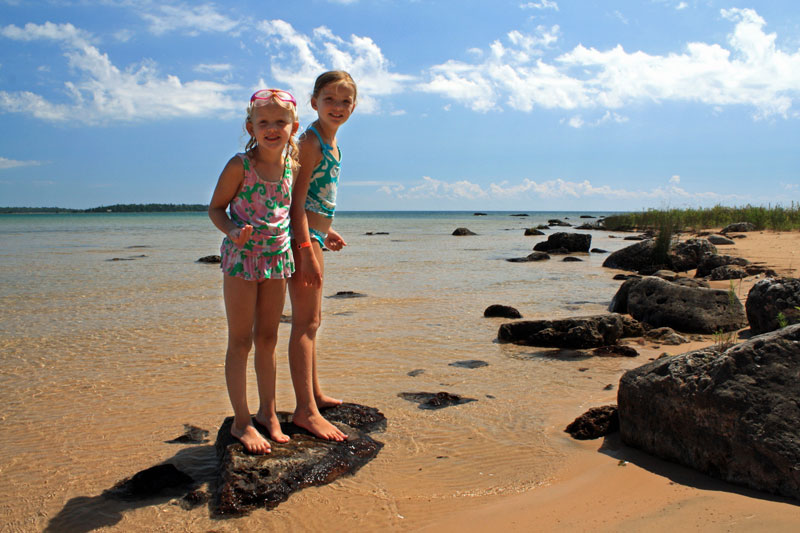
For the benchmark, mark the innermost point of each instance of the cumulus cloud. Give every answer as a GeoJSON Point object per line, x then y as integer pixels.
{"type": "Point", "coordinates": [104, 91]}
{"type": "Point", "coordinates": [298, 58]}
{"type": "Point", "coordinates": [750, 71]}
{"type": "Point", "coordinates": [526, 189]}
{"type": "Point", "coordinates": [6, 163]}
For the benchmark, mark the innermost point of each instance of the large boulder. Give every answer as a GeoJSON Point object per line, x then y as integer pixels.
{"type": "Point", "coordinates": [733, 415]}
{"type": "Point", "coordinates": [619, 303]}
{"type": "Point", "coordinates": [632, 258]}
{"type": "Point", "coordinates": [246, 481]}
{"type": "Point", "coordinates": [572, 242]}
{"type": "Point", "coordinates": [688, 254]}
{"type": "Point", "coordinates": [575, 333]}
{"type": "Point", "coordinates": [739, 227]}
{"type": "Point", "coordinates": [711, 261]}
{"type": "Point", "coordinates": [768, 298]}
{"type": "Point", "coordinates": [660, 303]}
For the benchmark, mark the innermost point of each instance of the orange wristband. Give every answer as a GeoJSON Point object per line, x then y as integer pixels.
{"type": "Point", "coordinates": [306, 244]}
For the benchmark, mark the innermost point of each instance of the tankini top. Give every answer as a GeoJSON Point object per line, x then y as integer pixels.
{"type": "Point", "coordinates": [321, 197]}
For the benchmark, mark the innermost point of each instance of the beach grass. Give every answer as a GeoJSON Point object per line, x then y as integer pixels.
{"type": "Point", "coordinates": [772, 217]}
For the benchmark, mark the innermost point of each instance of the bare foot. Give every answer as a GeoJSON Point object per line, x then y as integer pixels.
{"type": "Point", "coordinates": [324, 401]}
{"type": "Point", "coordinates": [251, 439]}
{"type": "Point", "coordinates": [273, 428]}
{"type": "Point", "coordinates": [317, 425]}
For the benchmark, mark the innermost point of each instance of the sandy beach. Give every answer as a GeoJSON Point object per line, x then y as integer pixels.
{"type": "Point", "coordinates": [607, 486]}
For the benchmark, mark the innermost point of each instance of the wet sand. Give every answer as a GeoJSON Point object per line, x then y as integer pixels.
{"type": "Point", "coordinates": [604, 485]}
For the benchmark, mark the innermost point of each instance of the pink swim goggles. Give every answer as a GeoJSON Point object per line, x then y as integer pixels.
{"type": "Point", "coordinates": [268, 94]}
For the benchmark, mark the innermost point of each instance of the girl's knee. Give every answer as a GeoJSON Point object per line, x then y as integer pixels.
{"type": "Point", "coordinates": [240, 344]}
{"type": "Point", "coordinates": [266, 341]}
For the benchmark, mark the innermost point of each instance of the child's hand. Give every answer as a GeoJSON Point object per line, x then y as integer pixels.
{"type": "Point", "coordinates": [240, 236]}
{"type": "Point", "coordinates": [334, 241]}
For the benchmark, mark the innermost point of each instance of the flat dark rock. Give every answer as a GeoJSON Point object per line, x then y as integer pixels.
{"type": "Point", "coordinates": [460, 232]}
{"type": "Point", "coordinates": [347, 294]}
{"type": "Point", "coordinates": [469, 363]}
{"type": "Point", "coordinates": [192, 435]}
{"type": "Point", "coordinates": [211, 259]}
{"type": "Point", "coordinates": [598, 251]}
{"type": "Point", "coordinates": [615, 350]}
{"type": "Point", "coordinates": [575, 333]}
{"type": "Point", "coordinates": [416, 372]}
{"type": "Point", "coordinates": [377, 233]}
{"type": "Point", "coordinates": [572, 259]}
{"type": "Point", "coordinates": [595, 423]}
{"type": "Point", "coordinates": [502, 311]}
{"type": "Point", "coordinates": [739, 227]}
{"type": "Point", "coordinates": [247, 481]}
{"type": "Point", "coordinates": [533, 231]}
{"type": "Point", "coordinates": [435, 400]}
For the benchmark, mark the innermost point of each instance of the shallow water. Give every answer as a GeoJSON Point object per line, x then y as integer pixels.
{"type": "Point", "coordinates": [103, 360]}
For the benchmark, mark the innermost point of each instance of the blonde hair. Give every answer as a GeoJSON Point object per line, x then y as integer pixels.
{"type": "Point", "coordinates": [293, 149]}
{"type": "Point", "coordinates": [334, 76]}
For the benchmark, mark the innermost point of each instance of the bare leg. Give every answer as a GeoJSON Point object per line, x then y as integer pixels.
{"type": "Point", "coordinates": [305, 321]}
{"type": "Point", "coordinates": [322, 399]}
{"type": "Point", "coordinates": [240, 305]}
{"type": "Point", "coordinates": [271, 295]}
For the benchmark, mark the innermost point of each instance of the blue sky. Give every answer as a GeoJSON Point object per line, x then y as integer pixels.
{"type": "Point", "coordinates": [463, 104]}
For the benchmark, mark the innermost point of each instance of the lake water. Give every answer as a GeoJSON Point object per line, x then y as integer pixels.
{"type": "Point", "coordinates": [112, 337]}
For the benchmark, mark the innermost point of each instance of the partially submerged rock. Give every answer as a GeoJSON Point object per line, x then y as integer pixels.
{"type": "Point", "coordinates": [248, 481]}
{"type": "Point", "coordinates": [502, 311]}
{"type": "Point", "coordinates": [533, 231]}
{"type": "Point", "coordinates": [615, 350]}
{"type": "Point", "coordinates": [535, 256]}
{"type": "Point", "coordinates": [470, 363]}
{"type": "Point", "coordinates": [595, 423]}
{"type": "Point", "coordinates": [191, 435]}
{"type": "Point", "coordinates": [212, 259]}
{"type": "Point", "coordinates": [733, 415]}
{"type": "Point", "coordinates": [347, 294]}
{"type": "Point", "coordinates": [435, 400]}
{"type": "Point", "coordinates": [572, 242]}
{"type": "Point", "coordinates": [577, 333]}
{"type": "Point", "coordinates": [460, 232]}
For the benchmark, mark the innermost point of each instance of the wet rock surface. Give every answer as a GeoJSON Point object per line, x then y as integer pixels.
{"type": "Point", "coordinates": [571, 242]}
{"type": "Point", "coordinates": [578, 333]}
{"type": "Point", "coordinates": [770, 297]}
{"type": "Point", "coordinates": [660, 303]}
{"type": "Point", "coordinates": [246, 481]}
{"type": "Point", "coordinates": [470, 363]}
{"type": "Point", "coordinates": [733, 415]}
{"type": "Point", "coordinates": [595, 423]}
{"type": "Point", "coordinates": [502, 311]}
{"type": "Point", "coordinates": [435, 400]}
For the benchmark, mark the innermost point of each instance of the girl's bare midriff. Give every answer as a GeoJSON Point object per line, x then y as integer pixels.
{"type": "Point", "coordinates": [318, 222]}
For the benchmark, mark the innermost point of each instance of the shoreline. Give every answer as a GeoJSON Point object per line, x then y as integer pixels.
{"type": "Point", "coordinates": [605, 485]}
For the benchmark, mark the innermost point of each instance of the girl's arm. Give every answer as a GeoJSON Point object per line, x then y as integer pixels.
{"type": "Point", "coordinates": [308, 270]}
{"type": "Point", "coordinates": [228, 185]}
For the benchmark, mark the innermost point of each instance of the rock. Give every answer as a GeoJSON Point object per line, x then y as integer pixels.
{"type": "Point", "coordinates": [727, 272]}
{"type": "Point", "coordinates": [719, 239]}
{"type": "Point", "coordinates": [519, 215]}
{"type": "Point", "coordinates": [665, 336]}
{"type": "Point", "coordinates": [623, 277]}
{"type": "Point", "coordinates": [668, 275]}
{"type": "Point", "coordinates": [619, 303]}
{"type": "Point", "coordinates": [535, 256]}
{"type": "Point", "coordinates": [479, 214]}
{"type": "Point", "coordinates": [533, 231]}
{"type": "Point", "coordinates": [573, 242]}
{"type": "Point", "coordinates": [347, 294]}
{"type": "Point", "coordinates": [688, 254]}
{"type": "Point", "coordinates": [246, 481]}
{"type": "Point", "coordinates": [210, 259]}
{"type": "Point", "coordinates": [639, 257]}
{"type": "Point", "coordinates": [587, 216]}
{"type": "Point", "coordinates": [690, 309]}
{"type": "Point", "coordinates": [542, 226]}
{"type": "Point", "coordinates": [502, 311]}
{"type": "Point", "coordinates": [594, 423]}
{"type": "Point", "coordinates": [586, 226]}
{"type": "Point", "coordinates": [572, 259]}
{"type": "Point", "coordinates": [598, 251]}
{"type": "Point", "coordinates": [192, 435]}
{"type": "Point", "coordinates": [767, 298]}
{"type": "Point", "coordinates": [732, 415]}
{"type": "Point", "coordinates": [711, 261]}
{"type": "Point", "coordinates": [740, 227]}
{"type": "Point", "coordinates": [578, 333]}
{"type": "Point", "coordinates": [470, 363]}
{"type": "Point", "coordinates": [615, 350]}
{"type": "Point", "coordinates": [151, 482]}
{"type": "Point", "coordinates": [416, 372]}
{"type": "Point", "coordinates": [377, 233]}
{"type": "Point", "coordinates": [460, 232]}
{"type": "Point", "coordinates": [435, 400]}
{"type": "Point", "coordinates": [194, 499]}
{"type": "Point", "coordinates": [557, 222]}
{"type": "Point", "coordinates": [635, 238]}
{"type": "Point", "coordinates": [632, 258]}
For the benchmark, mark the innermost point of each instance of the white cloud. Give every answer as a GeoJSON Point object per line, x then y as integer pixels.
{"type": "Point", "coordinates": [188, 18]}
{"type": "Point", "coordinates": [751, 71]}
{"type": "Point", "coordinates": [297, 59]}
{"type": "Point", "coordinates": [681, 5]}
{"type": "Point", "coordinates": [106, 92]}
{"type": "Point", "coordinates": [13, 163]}
{"type": "Point", "coordinates": [212, 68]}
{"type": "Point", "coordinates": [542, 4]}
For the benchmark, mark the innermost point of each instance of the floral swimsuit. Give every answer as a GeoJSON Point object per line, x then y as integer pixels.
{"type": "Point", "coordinates": [265, 206]}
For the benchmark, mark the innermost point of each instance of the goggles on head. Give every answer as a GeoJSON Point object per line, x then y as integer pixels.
{"type": "Point", "coordinates": [268, 94]}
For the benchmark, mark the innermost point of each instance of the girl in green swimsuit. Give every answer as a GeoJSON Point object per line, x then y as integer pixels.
{"type": "Point", "coordinates": [312, 210]}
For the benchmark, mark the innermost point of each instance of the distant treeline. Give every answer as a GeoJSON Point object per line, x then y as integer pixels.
{"type": "Point", "coordinates": [116, 208]}
{"type": "Point", "coordinates": [775, 217]}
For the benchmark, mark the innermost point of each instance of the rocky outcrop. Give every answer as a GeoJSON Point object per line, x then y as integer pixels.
{"type": "Point", "coordinates": [660, 303]}
{"type": "Point", "coordinates": [502, 311]}
{"type": "Point", "coordinates": [711, 261]}
{"type": "Point", "coordinates": [246, 482]}
{"type": "Point", "coordinates": [595, 423]}
{"type": "Point", "coordinates": [640, 258]}
{"type": "Point", "coordinates": [732, 415]}
{"type": "Point", "coordinates": [572, 242]}
{"type": "Point", "coordinates": [770, 298]}
{"type": "Point", "coordinates": [576, 333]}
{"type": "Point", "coordinates": [688, 254]}
{"type": "Point", "coordinates": [739, 227]}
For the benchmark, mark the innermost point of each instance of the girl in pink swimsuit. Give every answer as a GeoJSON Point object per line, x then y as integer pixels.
{"type": "Point", "coordinates": [256, 257]}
